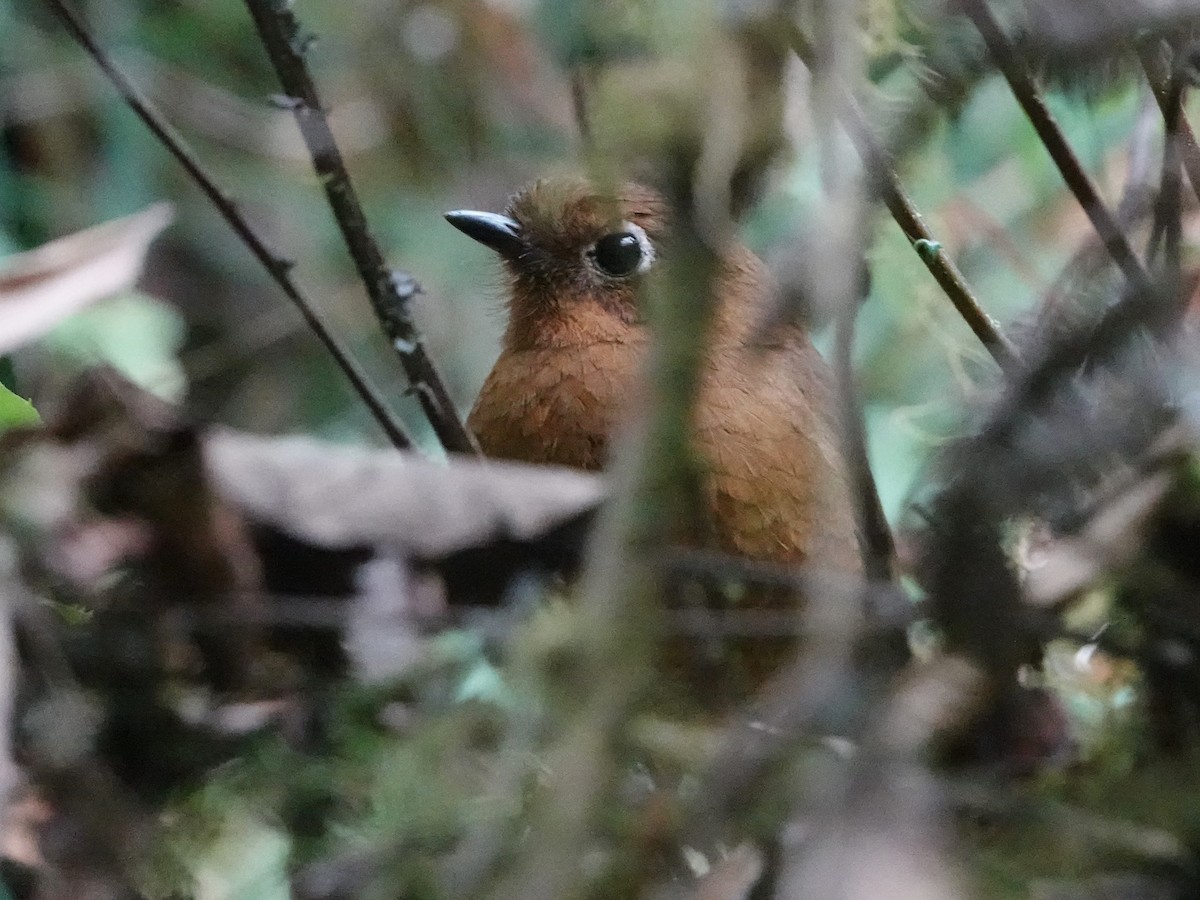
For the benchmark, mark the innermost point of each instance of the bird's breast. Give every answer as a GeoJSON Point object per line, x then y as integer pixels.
{"type": "Point", "coordinates": [555, 405]}
{"type": "Point", "coordinates": [774, 480]}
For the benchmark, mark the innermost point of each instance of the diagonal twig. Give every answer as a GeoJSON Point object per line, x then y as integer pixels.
{"type": "Point", "coordinates": [890, 190]}
{"type": "Point", "coordinates": [1179, 153]}
{"type": "Point", "coordinates": [939, 264]}
{"type": "Point", "coordinates": [278, 267]}
{"type": "Point", "coordinates": [390, 290]}
{"type": "Point", "coordinates": [1160, 85]}
{"type": "Point", "coordinates": [1166, 231]}
{"type": "Point", "coordinates": [1051, 136]}
{"type": "Point", "coordinates": [946, 273]}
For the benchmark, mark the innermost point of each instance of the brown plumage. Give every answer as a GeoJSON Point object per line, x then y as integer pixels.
{"type": "Point", "coordinates": [765, 429]}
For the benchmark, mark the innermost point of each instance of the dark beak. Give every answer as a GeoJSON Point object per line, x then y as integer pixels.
{"type": "Point", "coordinates": [500, 233]}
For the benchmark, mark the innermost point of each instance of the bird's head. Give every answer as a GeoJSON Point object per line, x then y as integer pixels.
{"type": "Point", "coordinates": [575, 254]}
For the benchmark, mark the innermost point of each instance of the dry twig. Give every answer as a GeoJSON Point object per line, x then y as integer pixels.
{"type": "Point", "coordinates": [1160, 85]}
{"type": "Point", "coordinates": [1071, 169]}
{"type": "Point", "coordinates": [891, 191]}
{"type": "Point", "coordinates": [278, 267]}
{"type": "Point", "coordinates": [390, 290]}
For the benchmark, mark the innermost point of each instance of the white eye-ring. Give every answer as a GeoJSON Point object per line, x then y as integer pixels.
{"type": "Point", "coordinates": [624, 252]}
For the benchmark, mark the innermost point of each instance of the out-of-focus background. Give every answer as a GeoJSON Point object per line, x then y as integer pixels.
{"type": "Point", "coordinates": [262, 669]}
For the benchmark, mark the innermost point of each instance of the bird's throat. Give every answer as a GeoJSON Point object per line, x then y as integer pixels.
{"type": "Point", "coordinates": [537, 323]}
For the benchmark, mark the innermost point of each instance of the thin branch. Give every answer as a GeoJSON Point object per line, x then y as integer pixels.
{"type": "Point", "coordinates": [893, 614]}
{"type": "Point", "coordinates": [875, 536]}
{"type": "Point", "coordinates": [1060, 151]}
{"type": "Point", "coordinates": [390, 290]}
{"type": "Point", "coordinates": [1166, 233]}
{"type": "Point", "coordinates": [939, 264]}
{"type": "Point", "coordinates": [886, 606]}
{"type": "Point", "coordinates": [946, 273]}
{"type": "Point", "coordinates": [1168, 208]}
{"type": "Point", "coordinates": [1160, 85]}
{"type": "Point", "coordinates": [278, 267]}
{"type": "Point", "coordinates": [13, 587]}
{"type": "Point", "coordinates": [579, 107]}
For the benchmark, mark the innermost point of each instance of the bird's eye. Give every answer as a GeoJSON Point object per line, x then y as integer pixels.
{"type": "Point", "coordinates": [618, 254]}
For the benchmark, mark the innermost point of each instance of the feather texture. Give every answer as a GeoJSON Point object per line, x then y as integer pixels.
{"type": "Point", "coordinates": [765, 422]}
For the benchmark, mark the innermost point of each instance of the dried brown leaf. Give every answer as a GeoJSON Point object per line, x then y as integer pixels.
{"type": "Point", "coordinates": [339, 497]}
{"type": "Point", "coordinates": [42, 287]}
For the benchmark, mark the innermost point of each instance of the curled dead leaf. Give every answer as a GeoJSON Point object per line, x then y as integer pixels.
{"type": "Point", "coordinates": [42, 287]}
{"type": "Point", "coordinates": [339, 497]}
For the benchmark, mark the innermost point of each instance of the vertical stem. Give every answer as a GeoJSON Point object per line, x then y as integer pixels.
{"type": "Point", "coordinates": [623, 577]}
{"type": "Point", "coordinates": [1160, 85]}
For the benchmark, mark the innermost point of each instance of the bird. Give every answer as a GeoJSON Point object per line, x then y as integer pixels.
{"type": "Point", "coordinates": [765, 426]}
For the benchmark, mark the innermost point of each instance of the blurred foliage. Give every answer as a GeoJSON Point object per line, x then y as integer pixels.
{"type": "Point", "coordinates": [137, 335]}
{"type": "Point", "coordinates": [15, 411]}
{"type": "Point", "coordinates": [456, 103]}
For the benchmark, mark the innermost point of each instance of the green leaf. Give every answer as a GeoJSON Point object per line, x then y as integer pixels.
{"type": "Point", "coordinates": [136, 334]}
{"type": "Point", "coordinates": [8, 377]}
{"type": "Point", "coordinates": [485, 684]}
{"type": "Point", "coordinates": [16, 411]}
